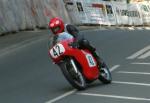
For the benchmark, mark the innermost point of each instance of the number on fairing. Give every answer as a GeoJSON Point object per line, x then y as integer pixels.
{"type": "Point", "coordinates": [57, 50]}
{"type": "Point", "coordinates": [90, 60]}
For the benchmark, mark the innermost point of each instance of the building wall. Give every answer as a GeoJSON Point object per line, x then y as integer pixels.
{"type": "Point", "coordinates": [18, 15]}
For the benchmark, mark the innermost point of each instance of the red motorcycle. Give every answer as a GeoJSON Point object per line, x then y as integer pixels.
{"type": "Point", "coordinates": [78, 65]}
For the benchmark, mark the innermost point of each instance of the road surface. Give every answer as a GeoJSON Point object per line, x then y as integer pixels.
{"type": "Point", "coordinates": [27, 75]}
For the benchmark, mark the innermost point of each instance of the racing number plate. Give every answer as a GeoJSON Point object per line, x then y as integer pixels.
{"type": "Point", "coordinates": [57, 50]}
{"type": "Point", "coordinates": [90, 60]}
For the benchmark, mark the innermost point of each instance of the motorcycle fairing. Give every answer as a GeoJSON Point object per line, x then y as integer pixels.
{"type": "Point", "coordinates": [88, 63]}
{"type": "Point", "coordinates": [83, 57]}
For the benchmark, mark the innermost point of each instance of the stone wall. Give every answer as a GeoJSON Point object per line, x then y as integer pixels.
{"type": "Point", "coordinates": [16, 15]}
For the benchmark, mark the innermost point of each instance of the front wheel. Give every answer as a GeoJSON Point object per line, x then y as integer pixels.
{"type": "Point", "coordinates": [105, 75]}
{"type": "Point", "coordinates": [73, 74]}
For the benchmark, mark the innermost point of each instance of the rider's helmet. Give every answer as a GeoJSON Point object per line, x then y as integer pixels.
{"type": "Point", "coordinates": [56, 25]}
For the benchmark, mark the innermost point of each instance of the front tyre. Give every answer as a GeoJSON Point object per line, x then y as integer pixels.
{"type": "Point", "coordinates": [73, 74]}
{"type": "Point", "coordinates": [105, 75]}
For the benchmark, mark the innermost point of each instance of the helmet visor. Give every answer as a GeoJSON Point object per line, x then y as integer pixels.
{"type": "Point", "coordinates": [55, 29]}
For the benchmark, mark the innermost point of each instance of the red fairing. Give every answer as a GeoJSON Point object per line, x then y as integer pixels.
{"type": "Point", "coordinates": [90, 71]}
{"type": "Point", "coordinates": [84, 57]}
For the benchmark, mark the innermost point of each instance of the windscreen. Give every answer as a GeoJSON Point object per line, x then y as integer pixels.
{"type": "Point", "coordinates": [64, 36]}
{"type": "Point", "coordinates": [60, 37]}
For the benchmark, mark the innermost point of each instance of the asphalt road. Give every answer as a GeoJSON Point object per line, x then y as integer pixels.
{"type": "Point", "coordinates": [27, 75]}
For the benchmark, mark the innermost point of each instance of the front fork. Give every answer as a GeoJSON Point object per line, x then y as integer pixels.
{"type": "Point", "coordinates": [74, 65]}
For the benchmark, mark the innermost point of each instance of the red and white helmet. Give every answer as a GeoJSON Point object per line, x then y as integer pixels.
{"type": "Point", "coordinates": [56, 25]}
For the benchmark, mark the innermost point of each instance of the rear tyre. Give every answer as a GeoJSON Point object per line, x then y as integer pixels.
{"type": "Point", "coordinates": [75, 78]}
{"type": "Point", "coordinates": [105, 74]}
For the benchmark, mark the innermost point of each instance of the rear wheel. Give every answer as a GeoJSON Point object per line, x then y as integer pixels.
{"type": "Point", "coordinates": [73, 74]}
{"type": "Point", "coordinates": [105, 75]}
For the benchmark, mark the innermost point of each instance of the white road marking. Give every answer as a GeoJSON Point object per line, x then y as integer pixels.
{"type": "Point", "coordinates": [114, 68]}
{"type": "Point", "coordinates": [135, 55]}
{"type": "Point", "coordinates": [74, 90]}
{"type": "Point", "coordinates": [147, 54]}
{"type": "Point", "coordinates": [131, 83]}
{"type": "Point", "coordinates": [62, 96]}
{"type": "Point", "coordinates": [125, 72]}
{"type": "Point", "coordinates": [115, 96]}
{"type": "Point", "coordinates": [141, 63]}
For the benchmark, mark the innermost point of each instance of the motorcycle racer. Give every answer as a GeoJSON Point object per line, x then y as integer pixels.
{"type": "Point", "coordinates": [57, 27]}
